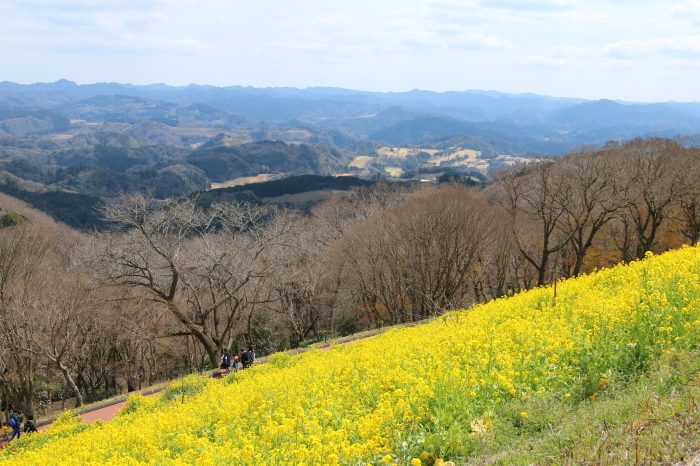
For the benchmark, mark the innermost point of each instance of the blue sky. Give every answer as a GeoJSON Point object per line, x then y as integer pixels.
{"type": "Point", "coordinates": [632, 50]}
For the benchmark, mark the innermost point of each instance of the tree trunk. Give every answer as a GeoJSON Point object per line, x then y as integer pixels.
{"type": "Point", "coordinates": [207, 342]}
{"type": "Point", "coordinates": [71, 383]}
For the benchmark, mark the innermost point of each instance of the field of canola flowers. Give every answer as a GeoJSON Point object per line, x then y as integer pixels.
{"type": "Point", "coordinates": [387, 399]}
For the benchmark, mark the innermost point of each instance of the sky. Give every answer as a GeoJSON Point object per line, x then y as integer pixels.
{"type": "Point", "coordinates": [643, 51]}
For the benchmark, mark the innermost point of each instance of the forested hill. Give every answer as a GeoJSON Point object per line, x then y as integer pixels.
{"type": "Point", "coordinates": [291, 185]}
{"type": "Point", "coordinates": [79, 211]}
{"type": "Point", "coordinates": [226, 163]}
{"type": "Point", "coordinates": [22, 121]}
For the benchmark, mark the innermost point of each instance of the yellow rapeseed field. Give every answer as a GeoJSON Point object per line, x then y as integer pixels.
{"type": "Point", "coordinates": [391, 398]}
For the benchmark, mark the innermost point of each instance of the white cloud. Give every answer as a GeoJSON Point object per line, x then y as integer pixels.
{"type": "Point", "coordinates": [105, 16]}
{"type": "Point", "coordinates": [126, 44]}
{"type": "Point", "coordinates": [566, 51]}
{"type": "Point", "coordinates": [84, 27]}
{"type": "Point", "coordinates": [539, 60]}
{"type": "Point", "coordinates": [680, 46]}
{"type": "Point", "coordinates": [529, 5]}
{"type": "Point", "coordinates": [106, 21]}
{"type": "Point", "coordinates": [82, 5]}
{"type": "Point", "coordinates": [560, 56]}
{"type": "Point", "coordinates": [689, 10]}
{"type": "Point", "coordinates": [401, 34]}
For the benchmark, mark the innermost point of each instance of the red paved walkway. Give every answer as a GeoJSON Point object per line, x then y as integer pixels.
{"type": "Point", "coordinates": [107, 413]}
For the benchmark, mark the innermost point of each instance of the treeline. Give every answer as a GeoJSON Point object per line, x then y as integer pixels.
{"type": "Point", "coordinates": [79, 211]}
{"type": "Point", "coordinates": [294, 185]}
{"type": "Point", "coordinates": [107, 164]}
{"type": "Point", "coordinates": [226, 163]}
{"type": "Point", "coordinates": [99, 180]}
{"type": "Point", "coordinates": [21, 121]}
{"type": "Point", "coordinates": [176, 283]}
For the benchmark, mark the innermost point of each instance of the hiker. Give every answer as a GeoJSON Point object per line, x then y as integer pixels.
{"type": "Point", "coordinates": [14, 422]}
{"type": "Point", "coordinates": [226, 361]}
{"type": "Point", "coordinates": [29, 425]}
{"type": "Point", "coordinates": [248, 357]}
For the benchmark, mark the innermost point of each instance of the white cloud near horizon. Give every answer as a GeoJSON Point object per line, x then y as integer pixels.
{"type": "Point", "coordinates": [679, 46]}
{"type": "Point", "coordinates": [632, 50]}
{"type": "Point", "coordinates": [528, 5]}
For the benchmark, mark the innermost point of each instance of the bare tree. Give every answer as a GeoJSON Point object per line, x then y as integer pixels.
{"type": "Point", "coordinates": [596, 195]}
{"type": "Point", "coordinates": [499, 263]}
{"type": "Point", "coordinates": [195, 263]}
{"type": "Point", "coordinates": [659, 173]}
{"type": "Point", "coordinates": [63, 314]}
{"type": "Point", "coordinates": [375, 273]}
{"type": "Point", "coordinates": [687, 211]}
{"type": "Point", "coordinates": [298, 285]}
{"type": "Point", "coordinates": [417, 259]}
{"type": "Point", "coordinates": [24, 254]}
{"type": "Point", "coordinates": [537, 201]}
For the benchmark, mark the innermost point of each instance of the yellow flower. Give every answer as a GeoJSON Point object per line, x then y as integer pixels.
{"type": "Point", "coordinates": [348, 405]}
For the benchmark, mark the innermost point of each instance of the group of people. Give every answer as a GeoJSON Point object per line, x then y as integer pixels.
{"type": "Point", "coordinates": [14, 422]}
{"type": "Point", "coordinates": [244, 361]}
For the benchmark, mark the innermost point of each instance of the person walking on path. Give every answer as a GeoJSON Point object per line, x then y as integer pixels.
{"type": "Point", "coordinates": [226, 361]}
{"type": "Point", "coordinates": [29, 425]}
{"type": "Point", "coordinates": [15, 421]}
{"type": "Point", "coordinates": [248, 357]}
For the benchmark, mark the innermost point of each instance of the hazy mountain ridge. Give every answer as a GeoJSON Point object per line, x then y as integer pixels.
{"type": "Point", "coordinates": [543, 123]}
{"type": "Point", "coordinates": [110, 137]}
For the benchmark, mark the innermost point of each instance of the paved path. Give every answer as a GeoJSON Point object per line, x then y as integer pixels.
{"type": "Point", "coordinates": [105, 414]}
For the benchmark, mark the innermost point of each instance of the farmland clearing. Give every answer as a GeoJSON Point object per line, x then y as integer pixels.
{"type": "Point", "coordinates": [247, 180]}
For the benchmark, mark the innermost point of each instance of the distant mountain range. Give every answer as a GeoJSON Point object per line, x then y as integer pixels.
{"type": "Point", "coordinates": [341, 117]}
{"type": "Point", "coordinates": [64, 144]}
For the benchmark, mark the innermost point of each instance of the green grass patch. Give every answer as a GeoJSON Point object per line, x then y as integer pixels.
{"type": "Point", "coordinates": [648, 419]}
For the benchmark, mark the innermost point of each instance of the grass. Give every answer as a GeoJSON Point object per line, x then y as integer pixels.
{"type": "Point", "coordinates": [361, 161]}
{"type": "Point", "coordinates": [651, 420]}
